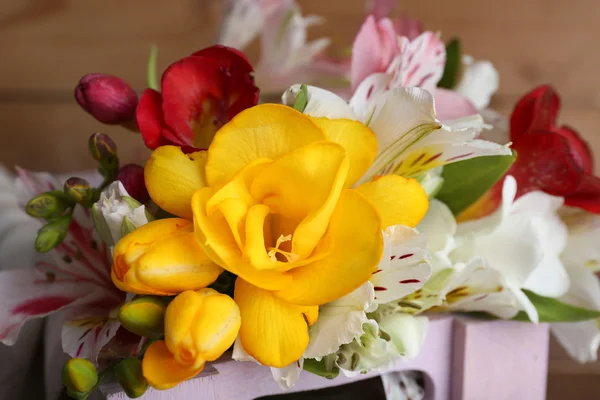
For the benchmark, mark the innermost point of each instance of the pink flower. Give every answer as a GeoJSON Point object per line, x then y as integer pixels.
{"type": "Point", "coordinates": [387, 55]}
{"type": "Point", "coordinates": [74, 278]}
{"type": "Point", "coordinates": [374, 49]}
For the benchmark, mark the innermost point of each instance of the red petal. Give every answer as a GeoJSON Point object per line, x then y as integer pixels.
{"type": "Point", "coordinates": [42, 305]}
{"type": "Point", "coordinates": [545, 162]}
{"type": "Point", "coordinates": [587, 195]}
{"type": "Point", "coordinates": [580, 150]}
{"type": "Point", "coordinates": [537, 110]}
{"type": "Point", "coordinates": [149, 116]}
{"type": "Point", "coordinates": [204, 91]}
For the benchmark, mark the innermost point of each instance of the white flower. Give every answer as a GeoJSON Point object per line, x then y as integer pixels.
{"type": "Point", "coordinates": [340, 322]}
{"type": "Point", "coordinates": [286, 55]}
{"type": "Point", "coordinates": [523, 240]}
{"type": "Point", "coordinates": [396, 335]}
{"type": "Point", "coordinates": [116, 213]}
{"type": "Point", "coordinates": [411, 140]}
{"type": "Point", "coordinates": [582, 260]}
{"type": "Point", "coordinates": [403, 268]}
{"type": "Point", "coordinates": [478, 82]}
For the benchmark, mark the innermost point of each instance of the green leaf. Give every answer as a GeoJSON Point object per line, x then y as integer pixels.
{"type": "Point", "coordinates": [152, 76]}
{"type": "Point", "coordinates": [553, 310]}
{"type": "Point", "coordinates": [301, 99]}
{"type": "Point", "coordinates": [320, 368]}
{"type": "Point", "coordinates": [466, 181]}
{"type": "Point", "coordinates": [453, 64]}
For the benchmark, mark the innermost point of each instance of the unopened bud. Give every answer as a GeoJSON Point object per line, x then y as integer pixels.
{"type": "Point", "coordinates": [45, 205]}
{"type": "Point", "coordinates": [78, 190]}
{"type": "Point", "coordinates": [52, 234]}
{"type": "Point", "coordinates": [79, 376]}
{"type": "Point", "coordinates": [132, 178]}
{"type": "Point", "coordinates": [131, 378]}
{"type": "Point", "coordinates": [107, 98]}
{"type": "Point", "coordinates": [104, 150]}
{"type": "Point", "coordinates": [144, 316]}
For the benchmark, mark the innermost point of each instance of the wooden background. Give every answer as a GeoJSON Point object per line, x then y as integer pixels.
{"type": "Point", "coordinates": [47, 45]}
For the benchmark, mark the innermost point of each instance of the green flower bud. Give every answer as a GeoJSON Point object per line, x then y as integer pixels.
{"type": "Point", "coordinates": [44, 206]}
{"type": "Point", "coordinates": [144, 316]}
{"type": "Point", "coordinates": [129, 375]}
{"type": "Point", "coordinates": [79, 376]}
{"type": "Point", "coordinates": [52, 234]}
{"type": "Point", "coordinates": [127, 226]}
{"type": "Point", "coordinates": [102, 147]}
{"type": "Point", "coordinates": [301, 99]}
{"type": "Point", "coordinates": [78, 190]}
{"type": "Point", "coordinates": [104, 150]}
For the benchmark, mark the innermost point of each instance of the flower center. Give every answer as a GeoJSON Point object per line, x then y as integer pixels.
{"type": "Point", "coordinates": [277, 254]}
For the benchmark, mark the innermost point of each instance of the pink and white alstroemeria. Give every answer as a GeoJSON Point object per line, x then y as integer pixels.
{"type": "Point", "coordinates": [286, 56]}
{"type": "Point", "coordinates": [75, 278]}
{"type": "Point", "coordinates": [389, 54]}
{"type": "Point", "coordinates": [411, 139]}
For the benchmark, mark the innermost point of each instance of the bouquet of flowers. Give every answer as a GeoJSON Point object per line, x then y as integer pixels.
{"type": "Point", "coordinates": [316, 234]}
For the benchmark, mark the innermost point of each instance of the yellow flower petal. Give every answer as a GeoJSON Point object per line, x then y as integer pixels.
{"type": "Point", "coordinates": [263, 131]}
{"type": "Point", "coordinates": [274, 332]}
{"type": "Point", "coordinates": [304, 185]}
{"type": "Point", "coordinates": [201, 325]}
{"type": "Point", "coordinates": [133, 246]}
{"type": "Point", "coordinates": [172, 177]}
{"type": "Point", "coordinates": [175, 264]}
{"type": "Point", "coordinates": [217, 324]}
{"type": "Point", "coordinates": [234, 199]}
{"type": "Point", "coordinates": [353, 244]}
{"type": "Point", "coordinates": [399, 201]}
{"type": "Point", "coordinates": [161, 370]}
{"type": "Point", "coordinates": [359, 141]}
{"type": "Point", "coordinates": [214, 236]}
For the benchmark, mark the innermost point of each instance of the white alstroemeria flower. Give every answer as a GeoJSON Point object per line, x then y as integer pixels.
{"type": "Point", "coordinates": [394, 336]}
{"type": "Point", "coordinates": [477, 287]}
{"type": "Point", "coordinates": [479, 80]}
{"type": "Point", "coordinates": [117, 213]}
{"type": "Point", "coordinates": [581, 339]}
{"type": "Point", "coordinates": [403, 268]}
{"type": "Point", "coordinates": [286, 55]}
{"type": "Point", "coordinates": [582, 261]}
{"type": "Point", "coordinates": [340, 322]}
{"type": "Point", "coordinates": [411, 140]}
{"type": "Point", "coordinates": [523, 240]}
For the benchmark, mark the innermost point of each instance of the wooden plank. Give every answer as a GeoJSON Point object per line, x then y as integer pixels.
{"type": "Point", "coordinates": [53, 137]}
{"type": "Point", "coordinates": [47, 46]}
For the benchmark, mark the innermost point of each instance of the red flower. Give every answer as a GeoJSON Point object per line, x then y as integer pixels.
{"type": "Point", "coordinates": [199, 94]}
{"type": "Point", "coordinates": [550, 158]}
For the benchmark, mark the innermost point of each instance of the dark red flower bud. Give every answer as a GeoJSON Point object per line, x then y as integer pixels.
{"type": "Point", "coordinates": [132, 178]}
{"type": "Point", "coordinates": [109, 99]}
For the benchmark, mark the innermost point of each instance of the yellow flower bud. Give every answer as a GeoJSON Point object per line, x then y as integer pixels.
{"type": "Point", "coordinates": [162, 258]}
{"type": "Point", "coordinates": [129, 375]}
{"type": "Point", "coordinates": [144, 316]}
{"type": "Point", "coordinates": [199, 327]}
{"type": "Point", "coordinates": [79, 376]}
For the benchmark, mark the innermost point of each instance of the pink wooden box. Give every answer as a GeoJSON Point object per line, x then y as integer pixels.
{"type": "Point", "coordinates": [462, 359]}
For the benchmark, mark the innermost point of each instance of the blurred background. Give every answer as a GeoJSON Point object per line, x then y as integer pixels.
{"type": "Point", "coordinates": [47, 45]}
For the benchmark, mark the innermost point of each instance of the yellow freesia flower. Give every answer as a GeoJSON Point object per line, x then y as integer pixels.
{"type": "Point", "coordinates": [199, 327]}
{"type": "Point", "coordinates": [272, 202]}
{"type": "Point", "coordinates": [162, 258]}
